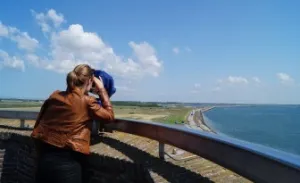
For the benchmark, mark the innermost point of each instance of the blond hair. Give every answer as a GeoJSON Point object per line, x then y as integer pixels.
{"type": "Point", "coordinates": [79, 76]}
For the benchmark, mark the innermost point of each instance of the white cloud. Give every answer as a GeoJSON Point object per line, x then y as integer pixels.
{"type": "Point", "coordinates": [74, 45]}
{"type": "Point", "coordinates": [237, 80]}
{"type": "Point", "coordinates": [232, 80]}
{"type": "Point", "coordinates": [196, 89]}
{"type": "Point", "coordinates": [3, 30]}
{"type": "Point", "coordinates": [46, 19]}
{"type": "Point", "coordinates": [197, 85]}
{"type": "Point", "coordinates": [219, 81]}
{"type": "Point", "coordinates": [176, 50]}
{"type": "Point", "coordinates": [284, 78]}
{"type": "Point", "coordinates": [33, 59]}
{"type": "Point", "coordinates": [57, 19]}
{"type": "Point", "coordinates": [125, 89]}
{"type": "Point", "coordinates": [147, 58]}
{"type": "Point", "coordinates": [256, 79]}
{"type": "Point", "coordinates": [23, 40]}
{"type": "Point", "coordinates": [11, 61]}
{"type": "Point", "coordinates": [41, 19]}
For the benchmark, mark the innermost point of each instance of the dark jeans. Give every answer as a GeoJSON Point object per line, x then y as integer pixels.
{"type": "Point", "coordinates": [60, 166]}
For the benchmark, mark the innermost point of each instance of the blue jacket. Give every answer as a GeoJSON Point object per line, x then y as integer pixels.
{"type": "Point", "coordinates": [108, 82]}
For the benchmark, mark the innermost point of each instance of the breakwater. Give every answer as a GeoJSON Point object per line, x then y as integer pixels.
{"type": "Point", "coordinates": [199, 119]}
{"type": "Point", "coordinates": [205, 109]}
{"type": "Point", "coordinates": [203, 122]}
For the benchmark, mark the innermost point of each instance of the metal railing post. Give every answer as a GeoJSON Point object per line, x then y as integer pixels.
{"type": "Point", "coordinates": [94, 128]}
{"type": "Point", "coordinates": [161, 150]}
{"type": "Point", "coordinates": [22, 123]}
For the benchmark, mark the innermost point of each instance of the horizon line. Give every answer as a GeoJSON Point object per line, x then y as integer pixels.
{"type": "Point", "coordinates": [181, 102]}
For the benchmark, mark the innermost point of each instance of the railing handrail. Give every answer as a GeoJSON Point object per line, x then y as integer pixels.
{"type": "Point", "coordinates": [253, 161]}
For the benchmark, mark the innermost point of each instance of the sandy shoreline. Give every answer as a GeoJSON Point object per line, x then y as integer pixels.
{"type": "Point", "coordinates": [205, 124]}
{"type": "Point", "coordinates": [197, 120]}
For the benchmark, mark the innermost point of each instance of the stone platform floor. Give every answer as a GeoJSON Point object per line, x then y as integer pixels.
{"type": "Point", "coordinates": [180, 166]}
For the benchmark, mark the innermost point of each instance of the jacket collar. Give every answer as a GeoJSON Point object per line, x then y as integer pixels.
{"type": "Point", "coordinates": [77, 91]}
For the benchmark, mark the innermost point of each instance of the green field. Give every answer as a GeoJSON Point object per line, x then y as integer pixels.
{"type": "Point", "coordinates": [17, 104]}
{"type": "Point", "coordinates": [149, 111]}
{"type": "Point", "coordinates": [157, 114]}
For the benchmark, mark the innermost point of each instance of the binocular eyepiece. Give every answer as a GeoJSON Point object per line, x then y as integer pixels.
{"type": "Point", "coordinates": [107, 80]}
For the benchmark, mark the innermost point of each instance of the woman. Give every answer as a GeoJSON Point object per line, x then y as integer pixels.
{"type": "Point", "coordinates": [63, 127]}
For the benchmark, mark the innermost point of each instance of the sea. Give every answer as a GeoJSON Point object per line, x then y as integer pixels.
{"type": "Point", "coordinates": [275, 126]}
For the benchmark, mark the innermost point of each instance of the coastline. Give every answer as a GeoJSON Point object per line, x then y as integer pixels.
{"type": "Point", "coordinates": [199, 119]}
{"type": "Point", "coordinates": [205, 124]}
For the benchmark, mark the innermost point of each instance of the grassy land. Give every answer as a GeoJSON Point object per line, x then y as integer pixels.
{"type": "Point", "coordinates": [12, 104]}
{"type": "Point", "coordinates": [133, 110]}
{"type": "Point", "coordinates": [177, 114]}
{"type": "Point", "coordinates": [157, 114]}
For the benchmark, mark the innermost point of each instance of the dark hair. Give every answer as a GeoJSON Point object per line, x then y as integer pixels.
{"type": "Point", "coordinates": [79, 76]}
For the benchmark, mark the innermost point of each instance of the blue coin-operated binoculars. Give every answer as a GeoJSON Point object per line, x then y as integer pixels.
{"type": "Point", "coordinates": [108, 83]}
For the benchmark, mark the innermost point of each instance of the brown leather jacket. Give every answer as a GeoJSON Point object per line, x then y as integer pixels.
{"type": "Point", "coordinates": [65, 119]}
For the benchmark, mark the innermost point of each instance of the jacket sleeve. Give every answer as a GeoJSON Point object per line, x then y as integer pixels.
{"type": "Point", "coordinates": [101, 112]}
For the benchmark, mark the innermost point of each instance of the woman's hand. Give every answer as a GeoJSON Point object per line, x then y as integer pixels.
{"type": "Point", "coordinates": [98, 83]}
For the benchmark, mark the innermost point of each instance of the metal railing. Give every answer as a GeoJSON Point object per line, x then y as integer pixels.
{"type": "Point", "coordinates": [252, 161]}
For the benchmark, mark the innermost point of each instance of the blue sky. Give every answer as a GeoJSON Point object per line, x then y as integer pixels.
{"type": "Point", "coordinates": [188, 51]}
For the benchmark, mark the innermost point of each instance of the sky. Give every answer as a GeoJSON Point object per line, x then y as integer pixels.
{"type": "Point", "coordinates": [180, 51]}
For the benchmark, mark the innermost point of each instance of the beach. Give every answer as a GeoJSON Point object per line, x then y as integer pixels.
{"type": "Point", "coordinates": [196, 121]}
